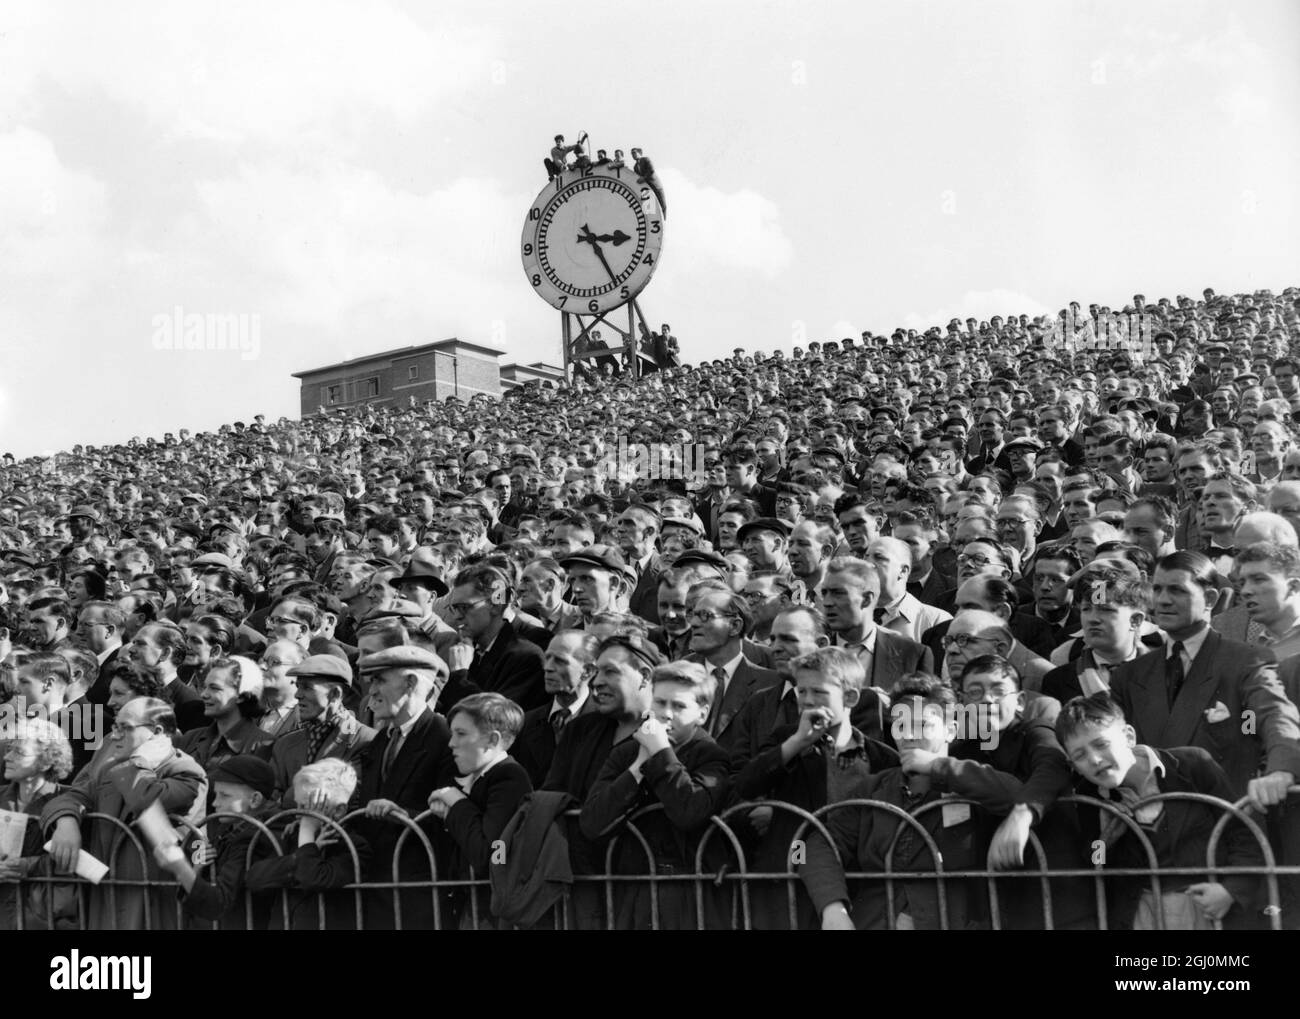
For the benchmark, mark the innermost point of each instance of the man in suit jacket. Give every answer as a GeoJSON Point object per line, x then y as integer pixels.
{"type": "Point", "coordinates": [898, 610]}
{"type": "Point", "coordinates": [637, 531]}
{"type": "Point", "coordinates": [976, 632]}
{"type": "Point", "coordinates": [718, 621]}
{"type": "Point", "coordinates": [327, 728]}
{"type": "Point", "coordinates": [567, 664]}
{"type": "Point", "coordinates": [491, 657]}
{"type": "Point", "coordinates": [409, 759]}
{"type": "Point", "coordinates": [848, 597]}
{"type": "Point", "coordinates": [795, 631]}
{"type": "Point", "coordinates": [1207, 691]}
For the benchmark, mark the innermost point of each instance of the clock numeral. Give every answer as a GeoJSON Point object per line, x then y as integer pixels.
{"type": "Point", "coordinates": [528, 249]}
{"type": "Point", "coordinates": [649, 258]}
{"type": "Point", "coordinates": [645, 194]}
{"type": "Point", "coordinates": [563, 301]}
{"type": "Point", "coordinates": [593, 306]}
{"type": "Point", "coordinates": [624, 294]}
{"type": "Point", "coordinates": [586, 171]}
{"type": "Point", "coordinates": [537, 280]}
{"type": "Point", "coordinates": [534, 213]}
{"type": "Point", "coordinates": [654, 226]}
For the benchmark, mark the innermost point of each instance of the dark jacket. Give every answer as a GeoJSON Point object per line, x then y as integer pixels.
{"type": "Point", "coordinates": [692, 781]}
{"type": "Point", "coordinates": [511, 667]}
{"type": "Point", "coordinates": [534, 747]}
{"type": "Point", "coordinates": [536, 873]}
{"type": "Point", "coordinates": [869, 839]}
{"type": "Point", "coordinates": [218, 893]}
{"type": "Point", "coordinates": [475, 825]}
{"type": "Point", "coordinates": [423, 764]}
{"type": "Point", "coordinates": [1226, 680]}
{"type": "Point", "coordinates": [1180, 837]}
{"type": "Point", "coordinates": [308, 875]}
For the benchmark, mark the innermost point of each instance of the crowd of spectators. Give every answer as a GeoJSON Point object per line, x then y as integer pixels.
{"type": "Point", "coordinates": [1014, 577]}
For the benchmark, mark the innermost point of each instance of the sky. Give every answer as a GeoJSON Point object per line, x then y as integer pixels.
{"type": "Point", "coordinates": [352, 177]}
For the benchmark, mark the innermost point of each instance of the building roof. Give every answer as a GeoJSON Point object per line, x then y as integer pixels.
{"type": "Point", "coordinates": [402, 352]}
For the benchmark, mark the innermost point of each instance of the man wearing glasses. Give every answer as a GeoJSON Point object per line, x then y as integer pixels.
{"type": "Point", "coordinates": [719, 622]}
{"type": "Point", "coordinates": [491, 657]}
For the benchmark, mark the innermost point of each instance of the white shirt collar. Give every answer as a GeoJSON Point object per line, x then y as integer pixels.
{"type": "Point", "coordinates": [406, 727]}
{"type": "Point", "coordinates": [1191, 646]}
{"type": "Point", "coordinates": [730, 667]}
{"type": "Point", "coordinates": [573, 708]}
{"type": "Point", "coordinates": [466, 782]}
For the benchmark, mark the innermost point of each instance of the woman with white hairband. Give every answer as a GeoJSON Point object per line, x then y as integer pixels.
{"type": "Point", "coordinates": [231, 692]}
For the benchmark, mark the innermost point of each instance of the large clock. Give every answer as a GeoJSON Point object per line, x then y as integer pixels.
{"type": "Point", "coordinates": [592, 239]}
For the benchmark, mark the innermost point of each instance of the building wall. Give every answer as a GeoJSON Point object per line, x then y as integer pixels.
{"type": "Point", "coordinates": [439, 374]}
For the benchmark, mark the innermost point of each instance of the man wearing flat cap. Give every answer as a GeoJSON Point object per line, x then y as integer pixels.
{"type": "Point", "coordinates": [409, 759]}
{"type": "Point", "coordinates": [601, 580]}
{"type": "Point", "coordinates": [326, 727]}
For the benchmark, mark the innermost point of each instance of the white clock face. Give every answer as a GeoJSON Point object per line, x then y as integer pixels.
{"type": "Point", "coordinates": [592, 239]}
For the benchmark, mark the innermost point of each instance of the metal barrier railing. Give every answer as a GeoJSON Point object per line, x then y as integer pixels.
{"type": "Point", "coordinates": [715, 887]}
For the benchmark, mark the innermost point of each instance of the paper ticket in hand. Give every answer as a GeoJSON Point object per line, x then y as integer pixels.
{"type": "Point", "coordinates": [157, 829]}
{"type": "Point", "coordinates": [87, 866]}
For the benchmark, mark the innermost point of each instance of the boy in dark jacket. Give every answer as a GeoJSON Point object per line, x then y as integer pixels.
{"type": "Point", "coordinates": [242, 784]}
{"type": "Point", "coordinates": [321, 861]}
{"type": "Point", "coordinates": [870, 839]}
{"type": "Point", "coordinates": [672, 761]}
{"type": "Point", "coordinates": [478, 807]}
{"type": "Point", "coordinates": [1103, 749]}
{"type": "Point", "coordinates": [820, 760]}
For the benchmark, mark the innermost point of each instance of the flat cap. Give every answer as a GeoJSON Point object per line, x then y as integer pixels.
{"type": "Point", "coordinates": [764, 524]}
{"type": "Point", "coordinates": [329, 667]}
{"type": "Point", "coordinates": [405, 656]}
{"type": "Point", "coordinates": [245, 769]}
{"type": "Point", "coordinates": [605, 556]}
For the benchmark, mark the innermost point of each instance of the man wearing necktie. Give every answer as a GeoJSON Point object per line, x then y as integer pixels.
{"type": "Point", "coordinates": [719, 621]}
{"type": "Point", "coordinates": [848, 598]}
{"type": "Point", "coordinates": [1207, 691]}
{"type": "Point", "coordinates": [407, 761]}
{"type": "Point", "coordinates": [567, 664]}
{"type": "Point", "coordinates": [1224, 501]}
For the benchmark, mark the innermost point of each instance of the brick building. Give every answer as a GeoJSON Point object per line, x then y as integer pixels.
{"type": "Point", "coordinates": [432, 371]}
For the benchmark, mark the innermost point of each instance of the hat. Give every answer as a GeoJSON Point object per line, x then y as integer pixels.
{"type": "Point", "coordinates": [219, 559]}
{"type": "Point", "coordinates": [327, 667]}
{"type": "Point", "coordinates": [705, 556]}
{"type": "Point", "coordinates": [84, 511]}
{"type": "Point", "coordinates": [400, 608]}
{"type": "Point", "coordinates": [764, 524]}
{"type": "Point", "coordinates": [605, 556]}
{"type": "Point", "coordinates": [245, 769]}
{"type": "Point", "coordinates": [1024, 442]}
{"type": "Point", "coordinates": [691, 523]}
{"type": "Point", "coordinates": [406, 656]}
{"type": "Point", "coordinates": [422, 571]}
{"type": "Point", "coordinates": [25, 556]}
{"type": "Point", "coordinates": [198, 497]}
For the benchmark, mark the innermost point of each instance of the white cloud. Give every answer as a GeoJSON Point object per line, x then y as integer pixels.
{"type": "Point", "coordinates": [980, 304]}
{"type": "Point", "coordinates": [1242, 103]}
{"type": "Point", "coordinates": [736, 230]}
{"type": "Point", "coordinates": [242, 69]}
{"type": "Point", "coordinates": [51, 216]}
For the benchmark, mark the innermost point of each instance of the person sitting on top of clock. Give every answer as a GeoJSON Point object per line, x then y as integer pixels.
{"type": "Point", "coordinates": [559, 158]}
{"type": "Point", "coordinates": [581, 161]}
{"type": "Point", "coordinates": [645, 172]}
{"type": "Point", "coordinates": [617, 163]}
{"type": "Point", "coordinates": [601, 158]}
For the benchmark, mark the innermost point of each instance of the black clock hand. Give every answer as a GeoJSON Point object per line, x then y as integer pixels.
{"type": "Point", "coordinates": [589, 238]}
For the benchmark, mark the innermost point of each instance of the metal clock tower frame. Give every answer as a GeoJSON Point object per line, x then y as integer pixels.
{"type": "Point", "coordinates": [624, 319]}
